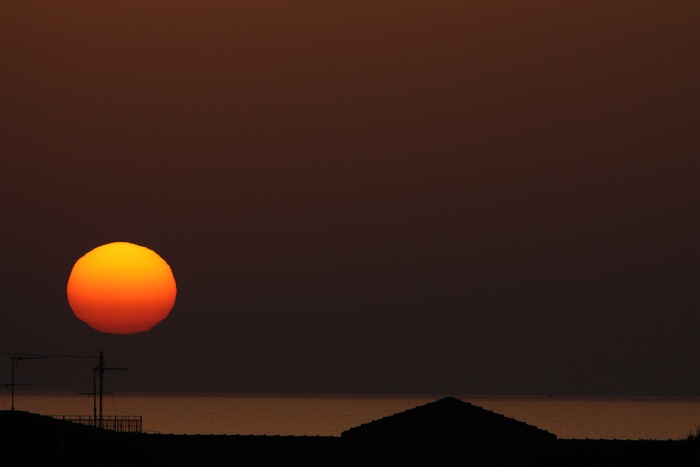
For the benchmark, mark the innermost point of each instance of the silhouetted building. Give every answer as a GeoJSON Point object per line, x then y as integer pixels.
{"type": "Point", "coordinates": [447, 432]}
{"type": "Point", "coordinates": [447, 420]}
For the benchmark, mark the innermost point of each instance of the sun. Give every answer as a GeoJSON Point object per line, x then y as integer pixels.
{"type": "Point", "coordinates": [121, 288]}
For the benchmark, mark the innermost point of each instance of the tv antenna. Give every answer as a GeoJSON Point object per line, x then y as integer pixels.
{"type": "Point", "coordinates": [101, 370]}
{"type": "Point", "coordinates": [14, 359]}
{"type": "Point", "coordinates": [98, 370]}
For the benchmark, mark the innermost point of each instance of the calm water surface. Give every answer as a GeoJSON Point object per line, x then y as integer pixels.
{"type": "Point", "coordinates": [609, 418]}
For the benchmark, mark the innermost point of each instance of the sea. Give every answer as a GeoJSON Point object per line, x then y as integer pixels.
{"type": "Point", "coordinates": [330, 415]}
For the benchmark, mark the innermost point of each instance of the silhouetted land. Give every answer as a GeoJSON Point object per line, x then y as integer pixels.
{"type": "Point", "coordinates": [445, 432]}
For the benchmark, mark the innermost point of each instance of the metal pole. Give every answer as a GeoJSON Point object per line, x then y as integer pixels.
{"type": "Point", "coordinates": [94, 396]}
{"type": "Point", "coordinates": [102, 372]}
{"type": "Point", "coordinates": [12, 383]}
{"type": "Point", "coordinates": [13, 362]}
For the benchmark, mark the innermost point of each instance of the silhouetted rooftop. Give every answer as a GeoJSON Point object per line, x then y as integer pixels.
{"type": "Point", "coordinates": [448, 419]}
{"type": "Point", "coordinates": [447, 432]}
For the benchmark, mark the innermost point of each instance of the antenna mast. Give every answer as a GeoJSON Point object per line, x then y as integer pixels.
{"type": "Point", "coordinates": [13, 360]}
{"type": "Point", "coordinates": [101, 368]}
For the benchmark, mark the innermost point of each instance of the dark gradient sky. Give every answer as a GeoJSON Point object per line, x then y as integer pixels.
{"type": "Point", "coordinates": [495, 197]}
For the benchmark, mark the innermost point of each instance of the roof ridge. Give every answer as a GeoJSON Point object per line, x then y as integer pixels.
{"type": "Point", "coordinates": [448, 418]}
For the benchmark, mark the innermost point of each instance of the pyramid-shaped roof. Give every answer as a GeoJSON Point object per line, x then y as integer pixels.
{"type": "Point", "coordinates": [448, 419]}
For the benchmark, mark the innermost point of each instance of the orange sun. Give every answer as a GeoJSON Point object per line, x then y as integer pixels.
{"type": "Point", "coordinates": [121, 288]}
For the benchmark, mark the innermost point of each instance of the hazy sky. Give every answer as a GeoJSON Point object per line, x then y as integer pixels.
{"type": "Point", "coordinates": [492, 197]}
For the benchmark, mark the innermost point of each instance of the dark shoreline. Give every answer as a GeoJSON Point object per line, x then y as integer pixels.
{"type": "Point", "coordinates": [446, 432]}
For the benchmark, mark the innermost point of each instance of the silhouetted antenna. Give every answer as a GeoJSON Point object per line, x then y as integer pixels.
{"type": "Point", "coordinates": [94, 393]}
{"type": "Point", "coordinates": [102, 370]}
{"type": "Point", "coordinates": [13, 362]}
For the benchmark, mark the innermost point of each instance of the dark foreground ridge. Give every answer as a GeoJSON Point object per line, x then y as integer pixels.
{"type": "Point", "coordinates": [447, 432]}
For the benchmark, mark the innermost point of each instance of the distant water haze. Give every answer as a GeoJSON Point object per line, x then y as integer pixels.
{"type": "Point", "coordinates": [311, 415]}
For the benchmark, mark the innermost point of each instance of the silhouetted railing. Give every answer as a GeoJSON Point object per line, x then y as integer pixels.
{"type": "Point", "coordinates": [121, 423]}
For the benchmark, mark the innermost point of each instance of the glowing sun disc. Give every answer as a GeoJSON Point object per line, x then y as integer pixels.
{"type": "Point", "coordinates": [121, 288]}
